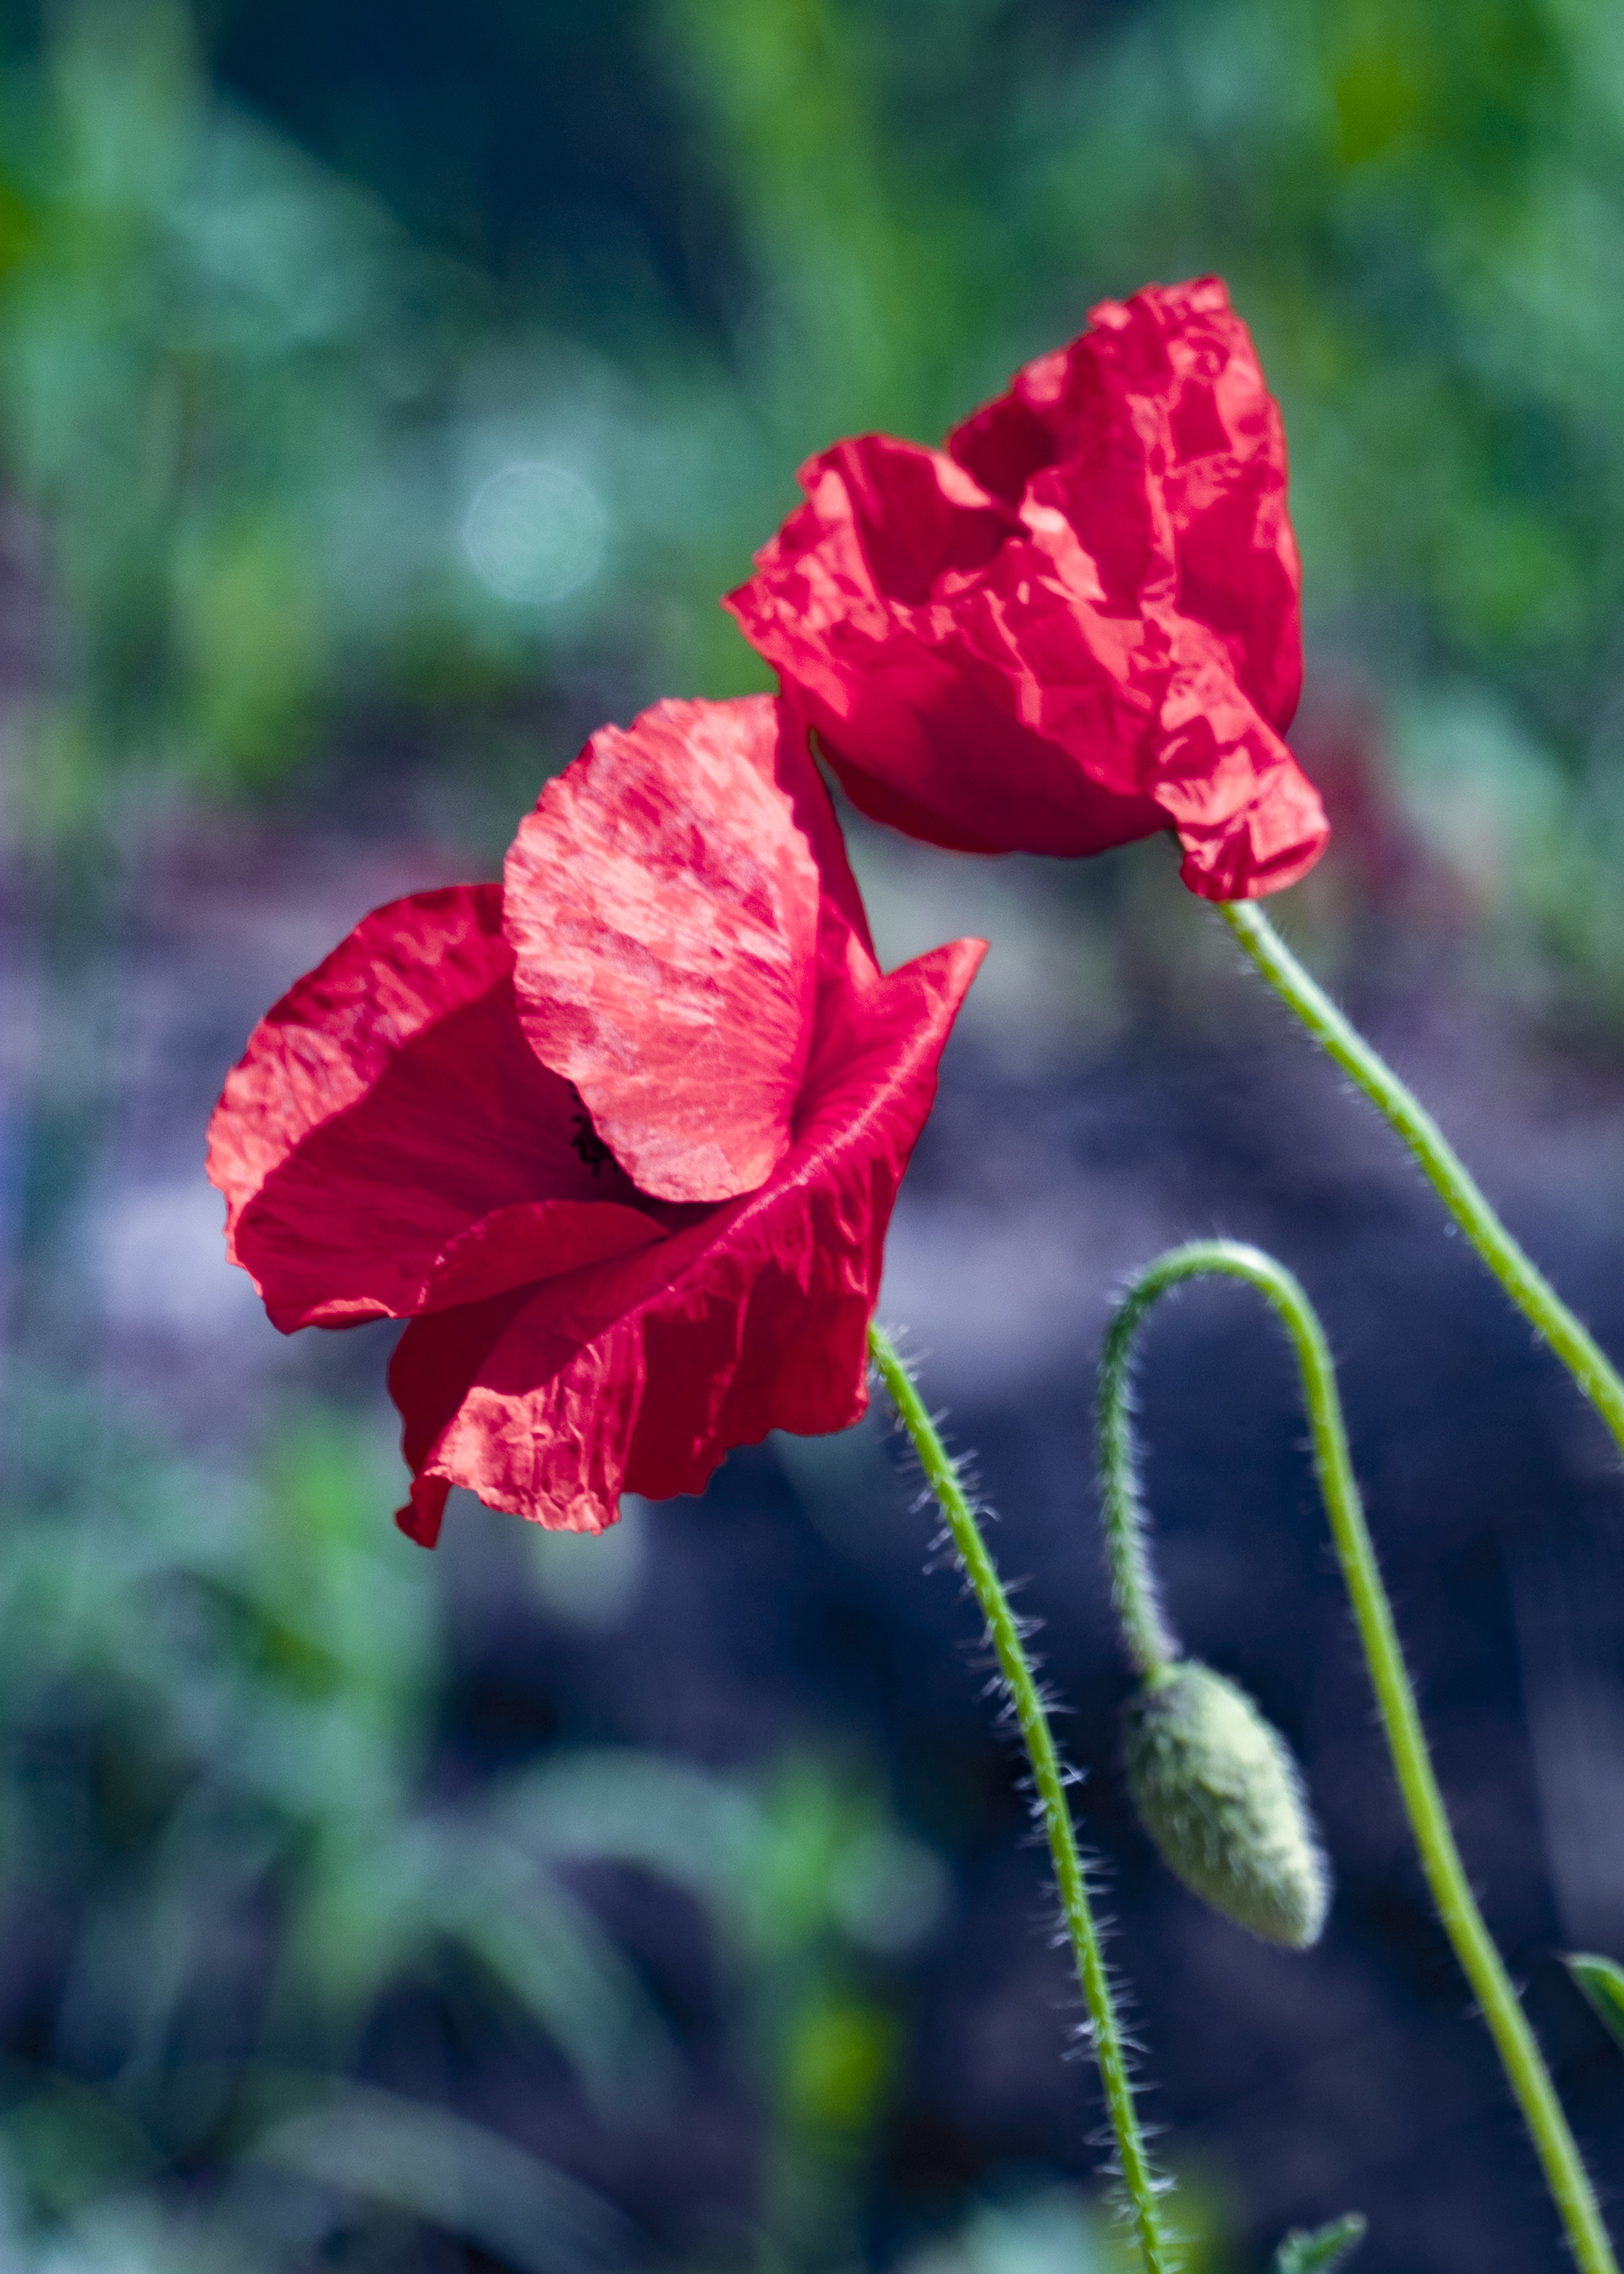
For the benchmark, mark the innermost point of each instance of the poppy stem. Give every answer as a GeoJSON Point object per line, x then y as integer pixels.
{"type": "Point", "coordinates": [1151, 1645]}
{"type": "Point", "coordinates": [1050, 1780]}
{"type": "Point", "coordinates": [1442, 1166]}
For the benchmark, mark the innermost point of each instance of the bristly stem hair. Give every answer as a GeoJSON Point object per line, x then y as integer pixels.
{"type": "Point", "coordinates": [1049, 1779]}
{"type": "Point", "coordinates": [1152, 1647]}
{"type": "Point", "coordinates": [1442, 1166]}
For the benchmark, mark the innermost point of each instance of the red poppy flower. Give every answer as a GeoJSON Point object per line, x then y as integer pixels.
{"type": "Point", "coordinates": [1076, 625]}
{"type": "Point", "coordinates": [621, 1137]}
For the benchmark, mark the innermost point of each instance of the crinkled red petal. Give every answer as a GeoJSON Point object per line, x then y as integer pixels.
{"type": "Point", "coordinates": [640, 1375]}
{"type": "Point", "coordinates": [1161, 408]}
{"type": "Point", "coordinates": [675, 982]}
{"type": "Point", "coordinates": [1076, 627]}
{"type": "Point", "coordinates": [389, 1143]}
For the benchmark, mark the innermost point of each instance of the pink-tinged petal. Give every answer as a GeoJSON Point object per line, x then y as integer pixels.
{"type": "Point", "coordinates": [389, 1129]}
{"type": "Point", "coordinates": [662, 904]}
{"type": "Point", "coordinates": [641, 1374]}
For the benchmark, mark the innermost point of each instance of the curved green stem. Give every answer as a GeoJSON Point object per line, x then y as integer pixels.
{"type": "Point", "coordinates": [1049, 1778]}
{"type": "Point", "coordinates": [1152, 1646]}
{"type": "Point", "coordinates": [1521, 1277]}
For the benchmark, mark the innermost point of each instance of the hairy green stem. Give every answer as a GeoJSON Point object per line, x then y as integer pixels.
{"type": "Point", "coordinates": [1049, 1779]}
{"type": "Point", "coordinates": [1442, 1166]}
{"type": "Point", "coordinates": [1152, 1646]}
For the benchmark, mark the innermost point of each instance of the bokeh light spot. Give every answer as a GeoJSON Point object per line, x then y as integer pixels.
{"type": "Point", "coordinates": [534, 533]}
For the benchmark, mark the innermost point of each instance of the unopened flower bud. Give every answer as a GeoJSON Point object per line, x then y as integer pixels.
{"type": "Point", "coordinates": [1218, 1791]}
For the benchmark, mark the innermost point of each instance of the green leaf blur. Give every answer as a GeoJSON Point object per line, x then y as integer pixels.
{"type": "Point", "coordinates": [1326, 2247]}
{"type": "Point", "coordinates": [1603, 1985]}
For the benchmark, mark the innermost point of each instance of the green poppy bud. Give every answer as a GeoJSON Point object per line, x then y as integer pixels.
{"type": "Point", "coordinates": [1219, 1793]}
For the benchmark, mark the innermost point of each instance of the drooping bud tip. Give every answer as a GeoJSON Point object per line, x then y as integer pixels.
{"type": "Point", "coordinates": [1220, 1793]}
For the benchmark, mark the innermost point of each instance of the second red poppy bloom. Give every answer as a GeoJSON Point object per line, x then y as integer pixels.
{"type": "Point", "coordinates": [619, 1137]}
{"type": "Point", "coordinates": [1077, 625]}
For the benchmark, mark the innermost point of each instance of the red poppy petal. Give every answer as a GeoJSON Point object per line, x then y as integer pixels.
{"type": "Point", "coordinates": [845, 947]}
{"type": "Point", "coordinates": [641, 1374]}
{"type": "Point", "coordinates": [915, 520]}
{"type": "Point", "coordinates": [949, 721]}
{"type": "Point", "coordinates": [496, 1400]}
{"type": "Point", "coordinates": [1006, 441]}
{"type": "Point", "coordinates": [534, 1239]}
{"type": "Point", "coordinates": [1002, 647]}
{"type": "Point", "coordinates": [386, 1110]}
{"type": "Point", "coordinates": [675, 982]}
{"type": "Point", "coordinates": [1249, 820]}
{"type": "Point", "coordinates": [1179, 366]}
{"type": "Point", "coordinates": [320, 1047]}
{"type": "Point", "coordinates": [425, 1511]}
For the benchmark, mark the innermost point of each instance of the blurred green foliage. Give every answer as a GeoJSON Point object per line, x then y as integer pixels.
{"type": "Point", "coordinates": [230, 1815]}
{"type": "Point", "coordinates": [1326, 2248]}
{"type": "Point", "coordinates": [216, 362]}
